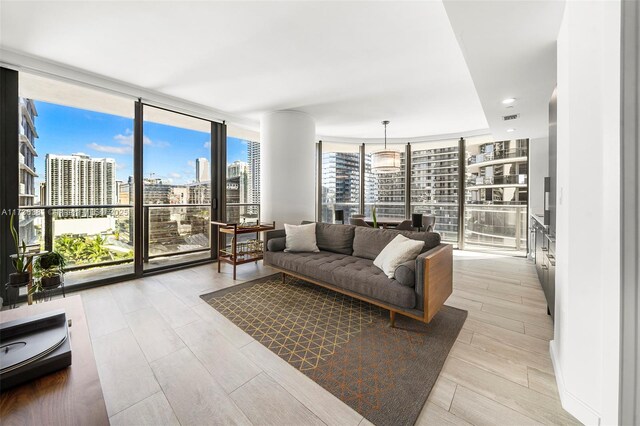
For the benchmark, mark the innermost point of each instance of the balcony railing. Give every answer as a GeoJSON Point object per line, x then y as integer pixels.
{"type": "Point", "coordinates": [248, 213]}
{"type": "Point", "coordinates": [97, 236]}
{"type": "Point", "coordinates": [497, 155]}
{"type": "Point", "coordinates": [520, 179]}
{"type": "Point", "coordinates": [496, 226]}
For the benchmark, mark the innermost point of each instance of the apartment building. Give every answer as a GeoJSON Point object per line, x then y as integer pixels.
{"type": "Point", "coordinates": [80, 180]}
{"type": "Point", "coordinates": [27, 153]}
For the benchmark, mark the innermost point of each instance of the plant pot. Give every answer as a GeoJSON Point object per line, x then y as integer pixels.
{"type": "Point", "coordinates": [18, 279]}
{"type": "Point", "coordinates": [12, 294]}
{"type": "Point", "coordinates": [51, 282]}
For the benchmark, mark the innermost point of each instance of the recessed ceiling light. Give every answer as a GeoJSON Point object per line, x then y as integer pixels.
{"type": "Point", "coordinates": [511, 130]}
{"type": "Point", "coordinates": [508, 101]}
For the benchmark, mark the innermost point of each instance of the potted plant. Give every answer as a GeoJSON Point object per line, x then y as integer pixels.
{"type": "Point", "coordinates": [20, 261]}
{"type": "Point", "coordinates": [49, 269]}
{"type": "Point", "coordinates": [375, 219]}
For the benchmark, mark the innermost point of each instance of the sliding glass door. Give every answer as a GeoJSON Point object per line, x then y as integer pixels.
{"type": "Point", "coordinates": [177, 184]}
{"type": "Point", "coordinates": [116, 186]}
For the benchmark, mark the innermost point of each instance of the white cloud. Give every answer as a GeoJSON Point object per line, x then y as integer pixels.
{"type": "Point", "coordinates": [175, 175]}
{"type": "Point", "coordinates": [207, 144]}
{"type": "Point", "coordinates": [109, 149]}
{"type": "Point", "coordinates": [191, 163]}
{"type": "Point", "coordinates": [127, 140]}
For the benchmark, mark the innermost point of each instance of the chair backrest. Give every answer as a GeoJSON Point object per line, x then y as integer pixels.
{"type": "Point", "coordinates": [357, 221]}
{"type": "Point", "coordinates": [429, 222]}
{"type": "Point", "coordinates": [405, 225]}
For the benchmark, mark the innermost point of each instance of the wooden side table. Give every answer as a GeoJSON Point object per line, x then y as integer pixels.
{"type": "Point", "coordinates": [232, 254]}
{"type": "Point", "coordinates": [71, 396]}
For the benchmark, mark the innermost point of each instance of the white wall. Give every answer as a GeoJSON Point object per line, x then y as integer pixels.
{"type": "Point", "coordinates": [287, 168]}
{"type": "Point", "coordinates": [586, 346]}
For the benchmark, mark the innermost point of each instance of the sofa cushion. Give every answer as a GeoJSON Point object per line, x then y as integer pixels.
{"type": "Point", "coordinates": [335, 238]}
{"type": "Point", "coordinates": [406, 273]}
{"type": "Point", "coordinates": [300, 238]}
{"type": "Point", "coordinates": [369, 242]}
{"type": "Point", "coordinates": [276, 244]}
{"type": "Point", "coordinates": [348, 272]}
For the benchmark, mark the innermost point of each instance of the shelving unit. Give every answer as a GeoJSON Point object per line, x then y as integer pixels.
{"type": "Point", "coordinates": [236, 253]}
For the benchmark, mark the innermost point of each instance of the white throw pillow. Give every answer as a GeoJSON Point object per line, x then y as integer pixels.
{"type": "Point", "coordinates": [300, 237]}
{"type": "Point", "coordinates": [401, 249]}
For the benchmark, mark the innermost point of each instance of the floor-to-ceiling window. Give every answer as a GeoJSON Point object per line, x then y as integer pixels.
{"type": "Point", "coordinates": [340, 188]}
{"type": "Point", "coordinates": [116, 186]}
{"type": "Point", "coordinates": [75, 157]}
{"type": "Point", "coordinates": [243, 180]}
{"type": "Point", "coordinates": [385, 191]}
{"type": "Point", "coordinates": [489, 186]}
{"type": "Point", "coordinates": [496, 196]}
{"type": "Point", "coordinates": [177, 176]}
{"type": "Point", "coordinates": [434, 185]}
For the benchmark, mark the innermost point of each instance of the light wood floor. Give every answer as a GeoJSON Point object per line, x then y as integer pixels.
{"type": "Point", "coordinates": [166, 357]}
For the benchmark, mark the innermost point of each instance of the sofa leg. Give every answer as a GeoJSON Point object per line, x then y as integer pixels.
{"type": "Point", "coordinates": [392, 319]}
{"type": "Point", "coordinates": [284, 278]}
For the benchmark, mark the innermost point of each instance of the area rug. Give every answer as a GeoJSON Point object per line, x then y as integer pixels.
{"type": "Point", "coordinates": [344, 344]}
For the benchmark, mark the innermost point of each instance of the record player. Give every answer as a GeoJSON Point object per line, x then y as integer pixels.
{"type": "Point", "coordinates": [33, 347]}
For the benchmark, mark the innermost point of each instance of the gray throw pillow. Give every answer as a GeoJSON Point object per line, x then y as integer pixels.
{"type": "Point", "coordinates": [276, 244]}
{"type": "Point", "coordinates": [406, 273]}
{"type": "Point", "coordinates": [335, 238]}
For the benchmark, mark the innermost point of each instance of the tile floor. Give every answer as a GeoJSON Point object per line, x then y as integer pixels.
{"type": "Point", "coordinates": [166, 357]}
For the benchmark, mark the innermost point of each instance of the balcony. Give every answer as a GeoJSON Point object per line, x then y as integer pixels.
{"type": "Point", "coordinates": [496, 227]}
{"type": "Point", "coordinates": [24, 166]}
{"type": "Point", "coordinates": [498, 157]}
{"type": "Point", "coordinates": [98, 241]}
{"type": "Point", "coordinates": [503, 181]}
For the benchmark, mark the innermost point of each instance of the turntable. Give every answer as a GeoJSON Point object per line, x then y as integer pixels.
{"type": "Point", "coordinates": [32, 347]}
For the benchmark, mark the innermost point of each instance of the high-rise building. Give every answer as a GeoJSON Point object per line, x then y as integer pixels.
{"type": "Point", "coordinates": [27, 153]}
{"type": "Point", "coordinates": [202, 170]}
{"type": "Point", "coordinates": [434, 187]}
{"type": "Point", "coordinates": [497, 172]}
{"type": "Point", "coordinates": [236, 169]}
{"type": "Point", "coordinates": [340, 184]}
{"type": "Point", "coordinates": [497, 193]}
{"type": "Point", "coordinates": [80, 180]}
{"type": "Point", "coordinates": [253, 160]}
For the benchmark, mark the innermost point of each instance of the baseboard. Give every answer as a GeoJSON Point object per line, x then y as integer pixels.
{"type": "Point", "coordinates": [570, 402]}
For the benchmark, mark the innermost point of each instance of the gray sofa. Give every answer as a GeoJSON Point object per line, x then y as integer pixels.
{"type": "Point", "coordinates": [345, 264]}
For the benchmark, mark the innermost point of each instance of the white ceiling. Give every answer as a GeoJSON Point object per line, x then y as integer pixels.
{"type": "Point", "coordinates": [348, 64]}
{"type": "Point", "coordinates": [510, 49]}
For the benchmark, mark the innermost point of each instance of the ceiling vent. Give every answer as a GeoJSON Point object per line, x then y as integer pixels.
{"type": "Point", "coordinates": [510, 117]}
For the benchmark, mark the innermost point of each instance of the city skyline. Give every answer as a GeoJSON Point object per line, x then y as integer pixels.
{"type": "Point", "coordinates": [64, 130]}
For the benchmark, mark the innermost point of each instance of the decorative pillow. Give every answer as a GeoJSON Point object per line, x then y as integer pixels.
{"type": "Point", "coordinates": [276, 244]}
{"type": "Point", "coordinates": [405, 273]}
{"type": "Point", "coordinates": [399, 250]}
{"type": "Point", "coordinates": [300, 238]}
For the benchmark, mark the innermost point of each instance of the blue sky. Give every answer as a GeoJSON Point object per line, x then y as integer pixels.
{"type": "Point", "coordinates": [169, 152]}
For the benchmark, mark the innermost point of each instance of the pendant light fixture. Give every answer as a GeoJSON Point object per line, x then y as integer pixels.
{"type": "Point", "coordinates": [385, 161]}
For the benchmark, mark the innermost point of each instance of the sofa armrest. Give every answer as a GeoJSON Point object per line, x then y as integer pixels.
{"type": "Point", "coordinates": [434, 279]}
{"type": "Point", "coordinates": [277, 233]}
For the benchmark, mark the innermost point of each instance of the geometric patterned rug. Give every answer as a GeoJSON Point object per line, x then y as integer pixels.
{"type": "Point", "coordinates": [345, 344]}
